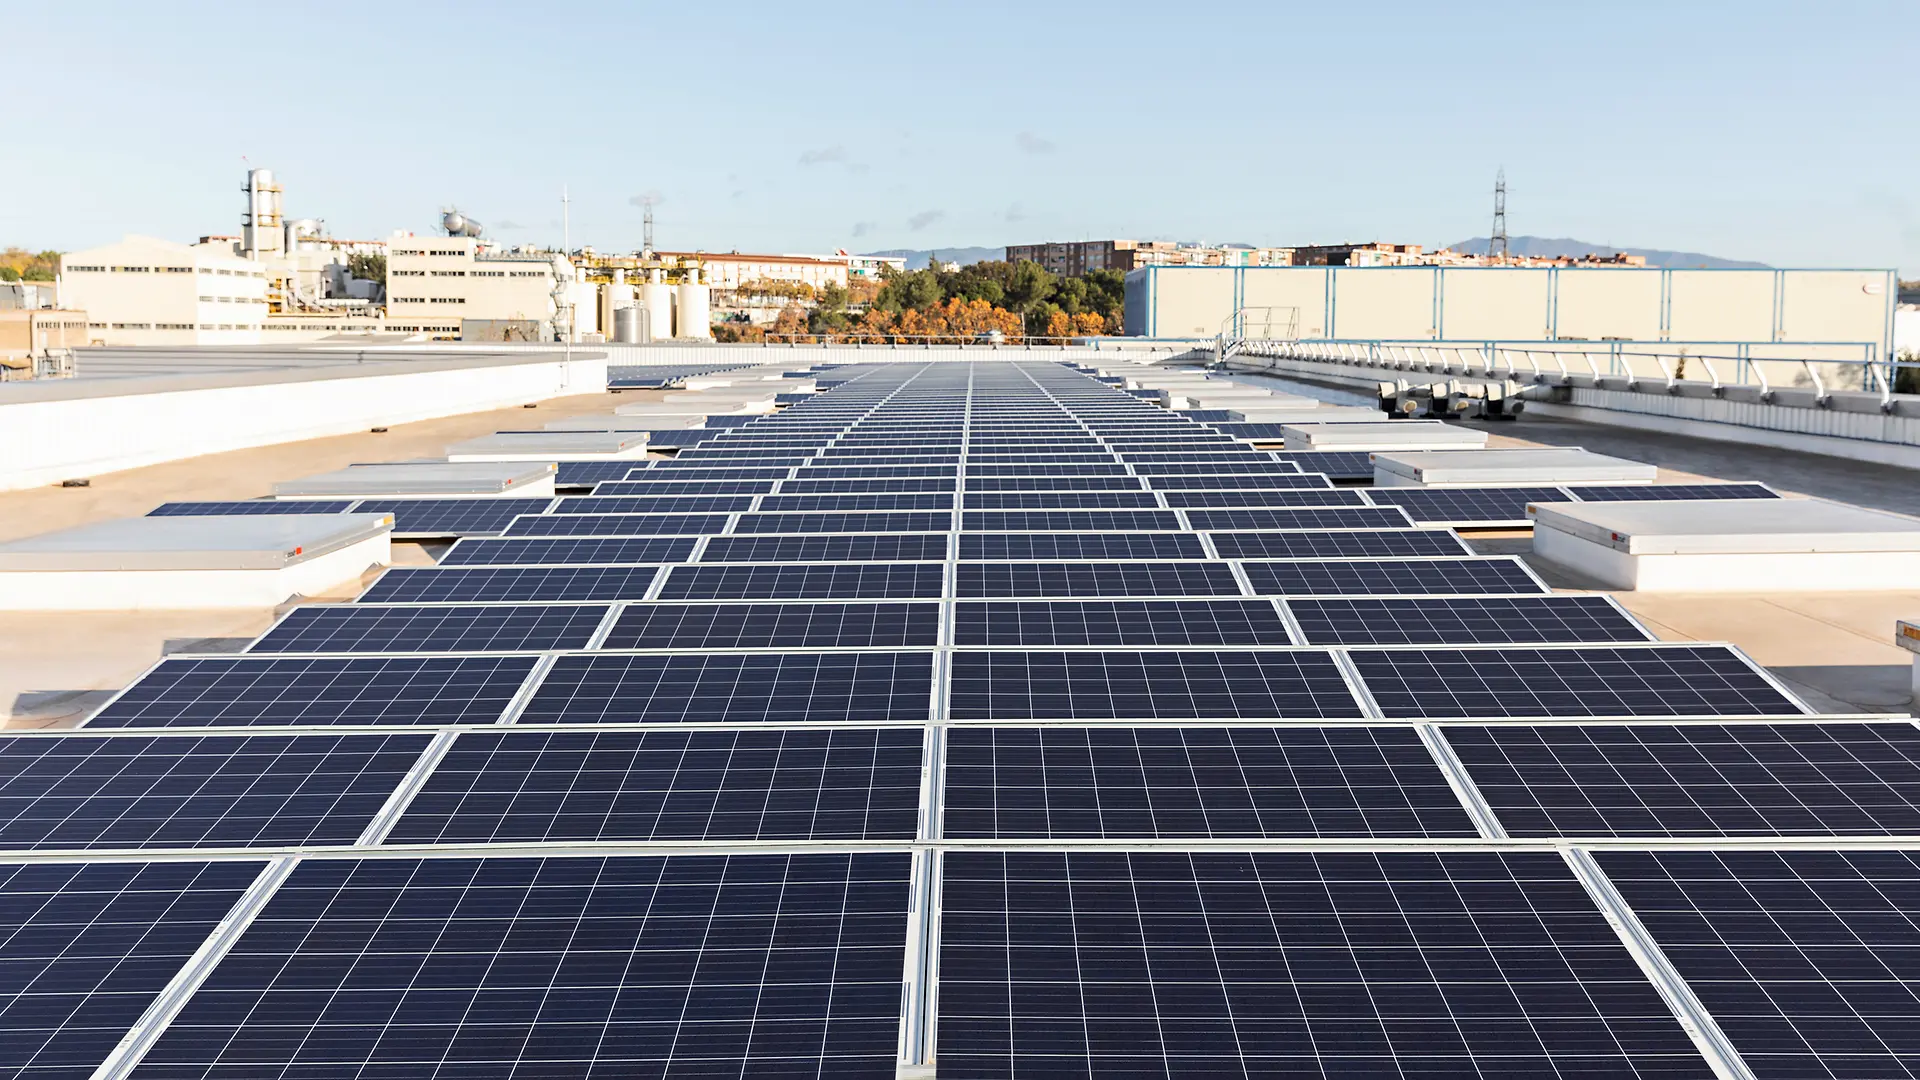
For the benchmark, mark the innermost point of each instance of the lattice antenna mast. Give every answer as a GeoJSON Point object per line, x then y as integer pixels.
{"type": "Point", "coordinates": [646, 226]}
{"type": "Point", "coordinates": [1497, 240]}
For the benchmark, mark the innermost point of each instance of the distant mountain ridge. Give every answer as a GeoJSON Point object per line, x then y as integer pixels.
{"type": "Point", "coordinates": [918, 259]}
{"type": "Point", "coordinates": [1548, 246]}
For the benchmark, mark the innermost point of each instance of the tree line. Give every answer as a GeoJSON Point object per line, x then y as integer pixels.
{"type": "Point", "coordinates": [1011, 299]}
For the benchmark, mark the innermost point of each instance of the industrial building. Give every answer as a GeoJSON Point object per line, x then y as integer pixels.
{"type": "Point", "coordinates": [148, 291]}
{"type": "Point", "coordinates": [1076, 257]}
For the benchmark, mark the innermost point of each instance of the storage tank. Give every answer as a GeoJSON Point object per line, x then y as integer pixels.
{"type": "Point", "coordinates": [628, 325]}
{"type": "Point", "coordinates": [657, 297]}
{"type": "Point", "coordinates": [614, 296]}
{"type": "Point", "coordinates": [694, 302]}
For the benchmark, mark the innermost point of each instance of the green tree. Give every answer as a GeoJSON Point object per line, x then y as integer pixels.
{"type": "Point", "coordinates": [368, 267]}
{"type": "Point", "coordinates": [830, 313]}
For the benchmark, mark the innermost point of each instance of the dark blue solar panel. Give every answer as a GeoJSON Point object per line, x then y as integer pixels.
{"type": "Point", "coordinates": [665, 485]}
{"type": "Point", "coordinates": [750, 687]}
{"type": "Point", "coordinates": [876, 547]}
{"type": "Point", "coordinates": [1386, 577]}
{"type": "Point", "coordinates": [347, 628]}
{"type": "Point", "coordinates": [76, 791]}
{"type": "Point", "coordinates": [880, 521]}
{"type": "Point", "coordinates": [1335, 964]}
{"type": "Point", "coordinates": [269, 691]}
{"type": "Point", "coordinates": [1591, 680]}
{"type": "Point", "coordinates": [599, 786]}
{"type": "Point", "coordinates": [1114, 783]}
{"type": "Point", "coordinates": [568, 552]}
{"type": "Point", "coordinates": [897, 484]}
{"type": "Point", "coordinates": [1257, 465]}
{"type": "Point", "coordinates": [1466, 506]}
{"type": "Point", "coordinates": [617, 524]}
{"type": "Point", "coordinates": [1052, 483]}
{"type": "Point", "coordinates": [1011, 579]}
{"type": "Point", "coordinates": [654, 504]}
{"type": "Point", "coordinates": [1119, 622]}
{"type": "Point", "coordinates": [1066, 521]}
{"type": "Point", "coordinates": [1048, 469]}
{"type": "Point", "coordinates": [584, 473]}
{"type": "Point", "coordinates": [86, 948]}
{"type": "Point", "coordinates": [1148, 686]}
{"type": "Point", "coordinates": [775, 626]}
{"type": "Point", "coordinates": [692, 471]}
{"type": "Point", "coordinates": [436, 585]}
{"type": "Point", "coordinates": [1060, 500]}
{"type": "Point", "coordinates": [736, 965]}
{"type": "Point", "coordinates": [250, 507]}
{"type": "Point", "coordinates": [452, 517]}
{"type": "Point", "coordinates": [875, 501]}
{"type": "Point", "coordinates": [1081, 546]}
{"type": "Point", "coordinates": [1256, 498]}
{"type": "Point", "coordinates": [822, 581]}
{"type": "Point", "coordinates": [1665, 492]}
{"type": "Point", "coordinates": [1239, 482]}
{"type": "Point", "coordinates": [1488, 620]}
{"type": "Point", "coordinates": [1339, 544]}
{"type": "Point", "coordinates": [1300, 517]}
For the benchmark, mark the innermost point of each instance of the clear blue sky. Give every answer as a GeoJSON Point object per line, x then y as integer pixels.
{"type": "Point", "coordinates": [1770, 131]}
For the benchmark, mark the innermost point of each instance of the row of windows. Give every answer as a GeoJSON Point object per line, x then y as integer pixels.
{"type": "Point", "coordinates": [429, 300]}
{"type": "Point", "coordinates": [231, 300]}
{"type": "Point", "coordinates": [457, 252]}
{"type": "Point", "coordinates": [163, 270]}
{"type": "Point", "coordinates": [171, 326]}
{"type": "Point", "coordinates": [407, 273]}
{"type": "Point", "coordinates": [449, 273]}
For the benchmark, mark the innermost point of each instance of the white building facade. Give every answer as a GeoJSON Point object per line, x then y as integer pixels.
{"type": "Point", "coordinates": [148, 291]}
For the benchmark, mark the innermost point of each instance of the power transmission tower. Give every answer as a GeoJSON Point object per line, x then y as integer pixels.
{"type": "Point", "coordinates": [1497, 241]}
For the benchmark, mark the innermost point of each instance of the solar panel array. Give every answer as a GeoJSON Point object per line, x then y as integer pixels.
{"type": "Point", "coordinates": [980, 719]}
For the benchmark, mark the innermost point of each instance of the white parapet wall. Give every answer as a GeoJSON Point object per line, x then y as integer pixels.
{"type": "Point", "coordinates": [80, 428]}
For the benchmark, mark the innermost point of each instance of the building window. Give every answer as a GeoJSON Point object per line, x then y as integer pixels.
{"type": "Point", "coordinates": [132, 269]}
{"type": "Point", "coordinates": [86, 269]}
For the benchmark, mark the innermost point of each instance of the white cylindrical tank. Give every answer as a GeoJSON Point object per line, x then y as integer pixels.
{"type": "Point", "coordinates": [657, 297]}
{"type": "Point", "coordinates": [628, 327]}
{"type": "Point", "coordinates": [692, 316]}
{"type": "Point", "coordinates": [613, 297]}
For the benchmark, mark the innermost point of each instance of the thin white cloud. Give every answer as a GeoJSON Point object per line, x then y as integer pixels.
{"type": "Point", "coordinates": [1029, 143]}
{"type": "Point", "coordinates": [826, 155]}
{"type": "Point", "coordinates": [925, 218]}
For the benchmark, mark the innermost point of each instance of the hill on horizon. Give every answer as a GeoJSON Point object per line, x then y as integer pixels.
{"type": "Point", "coordinates": [1548, 246]}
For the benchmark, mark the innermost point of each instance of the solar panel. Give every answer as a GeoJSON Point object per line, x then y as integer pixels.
{"type": "Point", "coordinates": [474, 551]}
{"type": "Point", "coordinates": [1466, 506]}
{"type": "Point", "coordinates": [585, 473]}
{"type": "Point", "coordinates": [1253, 432]}
{"type": "Point", "coordinates": [347, 628]}
{"type": "Point", "coordinates": [1488, 620]}
{"type": "Point", "coordinates": [1119, 622]}
{"type": "Point", "coordinates": [1308, 497]}
{"type": "Point", "coordinates": [617, 525]}
{"type": "Point", "coordinates": [1163, 545]}
{"type": "Point", "coordinates": [666, 485]}
{"type": "Point", "coordinates": [775, 626]}
{"type": "Point", "coordinates": [452, 517]}
{"type": "Point", "coordinates": [877, 547]}
{"type": "Point", "coordinates": [1348, 964]}
{"type": "Point", "coordinates": [1061, 500]}
{"type": "Point", "coordinates": [1160, 783]}
{"type": "Point", "coordinates": [879, 521]}
{"type": "Point", "coordinates": [749, 687]}
{"type": "Point", "coordinates": [1308, 544]}
{"type": "Point", "coordinates": [1063, 521]}
{"type": "Point", "coordinates": [875, 501]}
{"type": "Point", "coordinates": [1300, 517]}
{"type": "Point", "coordinates": [692, 470]}
{"type": "Point", "coordinates": [1660, 780]}
{"type": "Point", "coordinates": [1662, 492]}
{"type": "Point", "coordinates": [800, 581]}
{"type": "Point", "coordinates": [1148, 686]}
{"type": "Point", "coordinates": [86, 948]}
{"type": "Point", "coordinates": [1800, 956]}
{"type": "Point", "coordinates": [1009, 579]}
{"type": "Point", "coordinates": [601, 786]}
{"type": "Point", "coordinates": [742, 965]}
{"type": "Point", "coordinates": [263, 691]}
{"type": "Point", "coordinates": [1048, 469]}
{"type": "Point", "coordinates": [1343, 464]}
{"type": "Point", "coordinates": [1592, 680]}
{"type": "Point", "coordinates": [1377, 577]}
{"type": "Point", "coordinates": [435, 585]}
{"type": "Point", "coordinates": [73, 791]}
{"type": "Point", "coordinates": [857, 487]}
{"type": "Point", "coordinates": [1253, 465]}
{"type": "Point", "coordinates": [654, 504]}
{"type": "Point", "coordinates": [251, 507]}
{"type": "Point", "coordinates": [1052, 483]}
{"type": "Point", "coordinates": [1289, 481]}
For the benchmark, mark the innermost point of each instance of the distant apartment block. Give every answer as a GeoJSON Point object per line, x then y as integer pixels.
{"type": "Point", "coordinates": [1383, 254]}
{"type": "Point", "coordinates": [1077, 257]}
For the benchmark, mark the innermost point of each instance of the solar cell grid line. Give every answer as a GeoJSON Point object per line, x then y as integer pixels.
{"type": "Point", "coordinates": [804, 581]}
{"type": "Point", "coordinates": [351, 628]}
{"type": "Point", "coordinates": [1146, 685]}
{"type": "Point", "coordinates": [1119, 622]}
{"type": "Point", "coordinates": [84, 792]}
{"type": "Point", "coordinates": [897, 485]}
{"type": "Point", "coordinates": [1661, 492]}
{"type": "Point", "coordinates": [1493, 574]}
{"type": "Point", "coordinates": [453, 517]}
{"type": "Point", "coordinates": [979, 484]}
{"type": "Point", "coordinates": [1081, 545]}
{"type": "Point", "coordinates": [1697, 780]}
{"type": "Point", "coordinates": [605, 786]}
{"type": "Point", "coordinates": [774, 688]}
{"type": "Point", "coordinates": [241, 691]}
{"type": "Point", "coordinates": [1800, 956]}
{"type": "Point", "coordinates": [1587, 680]}
{"type": "Point", "coordinates": [1055, 521]}
{"type": "Point", "coordinates": [874, 472]}
{"type": "Point", "coordinates": [1265, 498]}
{"type": "Point", "coordinates": [1061, 500]}
{"type": "Point", "coordinates": [775, 626]}
{"type": "Point", "coordinates": [1466, 506]}
{"type": "Point", "coordinates": [491, 551]}
{"type": "Point", "coordinates": [1480, 620]}
{"type": "Point", "coordinates": [88, 947]}
{"type": "Point", "coordinates": [1015, 579]}
{"type": "Point", "coordinates": [237, 507]}
{"type": "Point", "coordinates": [1300, 517]}
{"type": "Point", "coordinates": [811, 548]}
{"type": "Point", "coordinates": [738, 965]}
{"type": "Point", "coordinates": [455, 585]}
{"type": "Point", "coordinates": [906, 521]}
{"type": "Point", "coordinates": [1306, 544]}
{"type": "Point", "coordinates": [1239, 482]}
{"type": "Point", "coordinates": [942, 500]}
{"type": "Point", "coordinates": [1398, 964]}
{"type": "Point", "coordinates": [533, 525]}
{"type": "Point", "coordinates": [1062, 469]}
{"type": "Point", "coordinates": [1184, 782]}
{"type": "Point", "coordinates": [653, 504]}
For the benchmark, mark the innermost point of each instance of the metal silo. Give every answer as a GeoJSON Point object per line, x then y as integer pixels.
{"type": "Point", "coordinates": [657, 297]}
{"type": "Point", "coordinates": [693, 318]}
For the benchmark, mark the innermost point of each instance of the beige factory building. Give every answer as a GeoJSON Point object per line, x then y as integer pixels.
{"type": "Point", "coordinates": [730, 270]}
{"type": "Point", "coordinates": [147, 291]}
{"type": "Point", "coordinates": [1818, 314]}
{"type": "Point", "coordinates": [440, 282]}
